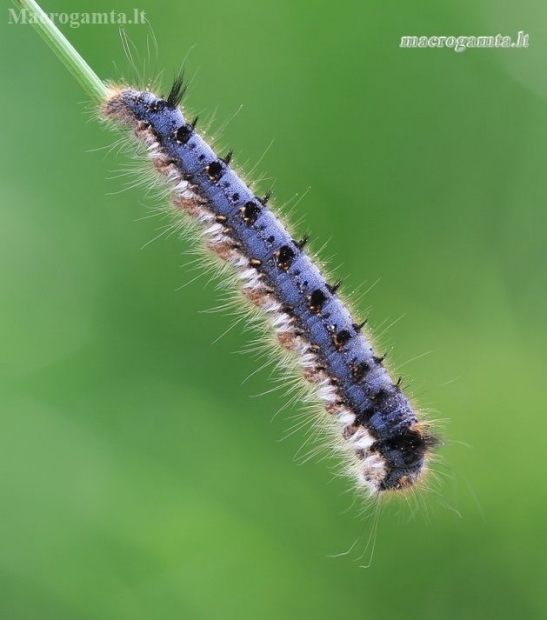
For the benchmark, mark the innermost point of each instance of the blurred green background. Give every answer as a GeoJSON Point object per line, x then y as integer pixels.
{"type": "Point", "coordinates": [139, 477]}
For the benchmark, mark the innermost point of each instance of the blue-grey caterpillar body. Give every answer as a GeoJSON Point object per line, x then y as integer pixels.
{"type": "Point", "coordinates": [387, 446]}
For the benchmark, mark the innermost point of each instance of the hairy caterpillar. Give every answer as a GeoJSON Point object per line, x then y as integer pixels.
{"type": "Point", "coordinates": [385, 445]}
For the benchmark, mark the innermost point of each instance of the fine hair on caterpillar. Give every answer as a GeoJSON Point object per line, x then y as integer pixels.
{"type": "Point", "coordinates": [384, 444]}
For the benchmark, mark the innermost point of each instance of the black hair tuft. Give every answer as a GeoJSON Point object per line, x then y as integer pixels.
{"type": "Point", "coordinates": [177, 91]}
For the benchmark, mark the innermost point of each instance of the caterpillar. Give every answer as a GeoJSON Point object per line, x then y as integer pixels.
{"type": "Point", "coordinates": [385, 446]}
